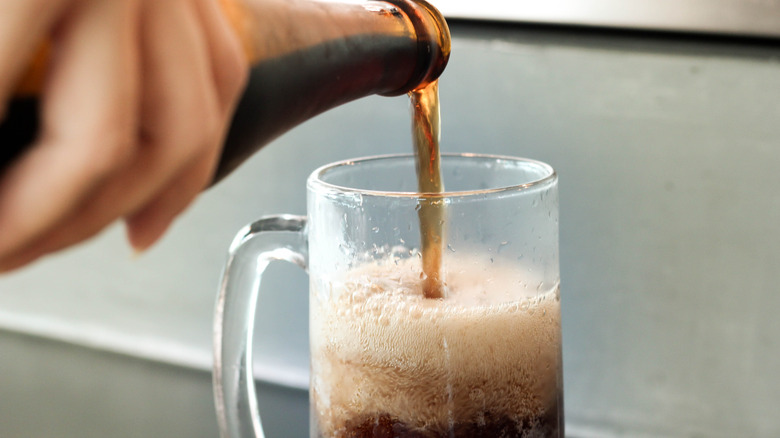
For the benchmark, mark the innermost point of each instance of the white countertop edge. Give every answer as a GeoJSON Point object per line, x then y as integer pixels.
{"type": "Point", "coordinates": [143, 347]}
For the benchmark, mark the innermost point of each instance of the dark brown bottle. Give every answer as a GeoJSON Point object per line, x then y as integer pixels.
{"type": "Point", "coordinates": [306, 57]}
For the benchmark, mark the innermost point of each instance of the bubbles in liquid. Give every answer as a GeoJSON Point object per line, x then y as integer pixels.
{"type": "Point", "coordinates": [398, 353]}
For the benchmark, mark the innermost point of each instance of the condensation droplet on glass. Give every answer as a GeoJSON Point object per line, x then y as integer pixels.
{"type": "Point", "coordinates": [539, 286]}
{"type": "Point", "coordinates": [417, 207]}
{"type": "Point", "coordinates": [375, 229]}
{"type": "Point", "coordinates": [450, 247]}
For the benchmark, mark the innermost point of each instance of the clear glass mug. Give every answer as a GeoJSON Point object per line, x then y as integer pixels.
{"type": "Point", "coordinates": [485, 360]}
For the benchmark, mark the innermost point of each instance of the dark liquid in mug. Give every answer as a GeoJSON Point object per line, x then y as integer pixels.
{"type": "Point", "coordinates": [488, 426]}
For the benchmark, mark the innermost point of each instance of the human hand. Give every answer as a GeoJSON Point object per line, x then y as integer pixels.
{"type": "Point", "coordinates": [136, 103]}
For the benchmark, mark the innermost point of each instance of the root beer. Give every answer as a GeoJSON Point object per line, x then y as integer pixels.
{"type": "Point", "coordinates": [388, 362]}
{"type": "Point", "coordinates": [425, 137]}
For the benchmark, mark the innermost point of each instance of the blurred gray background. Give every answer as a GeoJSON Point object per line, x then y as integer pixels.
{"type": "Point", "coordinates": [667, 150]}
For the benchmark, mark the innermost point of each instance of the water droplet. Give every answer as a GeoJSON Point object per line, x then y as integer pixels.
{"type": "Point", "coordinates": [450, 247]}
{"type": "Point", "coordinates": [417, 207]}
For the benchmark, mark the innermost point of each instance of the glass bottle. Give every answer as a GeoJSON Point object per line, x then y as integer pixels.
{"type": "Point", "coordinates": [305, 57]}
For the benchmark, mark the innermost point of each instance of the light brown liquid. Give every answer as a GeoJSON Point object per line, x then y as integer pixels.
{"type": "Point", "coordinates": [425, 135]}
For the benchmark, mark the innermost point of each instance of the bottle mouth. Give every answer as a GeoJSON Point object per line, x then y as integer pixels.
{"type": "Point", "coordinates": [434, 43]}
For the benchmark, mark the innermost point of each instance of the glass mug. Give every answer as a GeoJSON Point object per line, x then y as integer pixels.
{"type": "Point", "coordinates": [484, 361]}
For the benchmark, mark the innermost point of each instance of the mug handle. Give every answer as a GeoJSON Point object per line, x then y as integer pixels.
{"type": "Point", "coordinates": [282, 237]}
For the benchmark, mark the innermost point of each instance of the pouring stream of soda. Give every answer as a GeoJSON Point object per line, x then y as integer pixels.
{"type": "Point", "coordinates": [426, 135]}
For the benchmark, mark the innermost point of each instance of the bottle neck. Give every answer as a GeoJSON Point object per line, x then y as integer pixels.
{"type": "Point", "coordinates": [308, 57]}
{"type": "Point", "coordinates": [271, 29]}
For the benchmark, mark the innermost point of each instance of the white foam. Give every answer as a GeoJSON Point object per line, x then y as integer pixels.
{"type": "Point", "coordinates": [378, 346]}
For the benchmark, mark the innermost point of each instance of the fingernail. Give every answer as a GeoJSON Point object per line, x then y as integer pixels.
{"type": "Point", "coordinates": [137, 253]}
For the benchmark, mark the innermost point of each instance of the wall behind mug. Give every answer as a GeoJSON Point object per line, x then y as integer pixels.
{"type": "Point", "coordinates": [667, 150]}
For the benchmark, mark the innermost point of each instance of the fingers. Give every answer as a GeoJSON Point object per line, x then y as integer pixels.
{"type": "Point", "coordinates": [193, 71]}
{"type": "Point", "coordinates": [180, 132]}
{"type": "Point", "coordinates": [88, 122]}
{"type": "Point", "coordinates": [219, 83]}
{"type": "Point", "coordinates": [146, 226]}
{"type": "Point", "coordinates": [229, 70]}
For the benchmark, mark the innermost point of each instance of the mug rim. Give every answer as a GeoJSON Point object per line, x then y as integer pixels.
{"type": "Point", "coordinates": [316, 183]}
